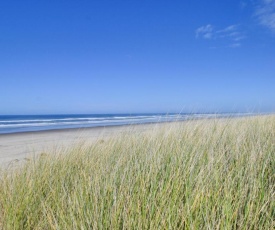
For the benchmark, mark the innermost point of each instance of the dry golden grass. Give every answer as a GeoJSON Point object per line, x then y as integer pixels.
{"type": "Point", "coordinates": [201, 174]}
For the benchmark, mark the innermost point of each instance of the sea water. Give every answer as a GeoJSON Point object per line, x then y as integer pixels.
{"type": "Point", "coordinates": [28, 123]}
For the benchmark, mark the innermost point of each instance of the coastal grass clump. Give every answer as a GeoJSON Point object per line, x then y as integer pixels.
{"type": "Point", "coordinates": [200, 174]}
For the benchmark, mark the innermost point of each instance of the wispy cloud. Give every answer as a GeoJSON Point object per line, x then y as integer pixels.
{"type": "Point", "coordinates": [266, 13]}
{"type": "Point", "coordinates": [205, 31]}
{"type": "Point", "coordinates": [231, 34]}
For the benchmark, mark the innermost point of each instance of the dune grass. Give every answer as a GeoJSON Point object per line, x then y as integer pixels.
{"type": "Point", "coordinates": [201, 174]}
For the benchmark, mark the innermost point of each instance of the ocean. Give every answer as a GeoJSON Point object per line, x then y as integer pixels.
{"type": "Point", "coordinates": [30, 123]}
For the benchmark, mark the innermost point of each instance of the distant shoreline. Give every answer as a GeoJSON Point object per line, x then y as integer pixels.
{"type": "Point", "coordinates": [62, 130]}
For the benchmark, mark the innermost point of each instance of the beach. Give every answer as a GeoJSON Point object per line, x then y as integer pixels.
{"type": "Point", "coordinates": [18, 147]}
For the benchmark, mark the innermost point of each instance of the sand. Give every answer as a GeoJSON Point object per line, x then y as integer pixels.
{"type": "Point", "coordinates": [19, 147]}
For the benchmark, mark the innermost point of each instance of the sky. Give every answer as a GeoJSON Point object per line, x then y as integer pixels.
{"type": "Point", "coordinates": [136, 56]}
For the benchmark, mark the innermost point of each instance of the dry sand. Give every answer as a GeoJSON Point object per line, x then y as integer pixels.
{"type": "Point", "coordinates": [19, 147]}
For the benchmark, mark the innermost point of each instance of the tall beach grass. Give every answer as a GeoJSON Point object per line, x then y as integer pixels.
{"type": "Point", "coordinates": [200, 174]}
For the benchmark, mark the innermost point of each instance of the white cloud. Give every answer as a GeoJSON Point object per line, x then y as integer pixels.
{"type": "Point", "coordinates": [266, 13]}
{"type": "Point", "coordinates": [231, 34]}
{"type": "Point", "coordinates": [205, 31]}
{"type": "Point", "coordinates": [228, 29]}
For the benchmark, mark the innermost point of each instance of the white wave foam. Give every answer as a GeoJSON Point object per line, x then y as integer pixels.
{"type": "Point", "coordinates": [73, 123]}
{"type": "Point", "coordinates": [95, 120]}
{"type": "Point", "coordinates": [72, 119]}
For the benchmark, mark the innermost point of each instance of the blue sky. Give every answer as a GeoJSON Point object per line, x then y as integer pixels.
{"type": "Point", "coordinates": [136, 56]}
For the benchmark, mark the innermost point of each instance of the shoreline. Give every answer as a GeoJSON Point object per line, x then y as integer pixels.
{"type": "Point", "coordinates": [82, 128]}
